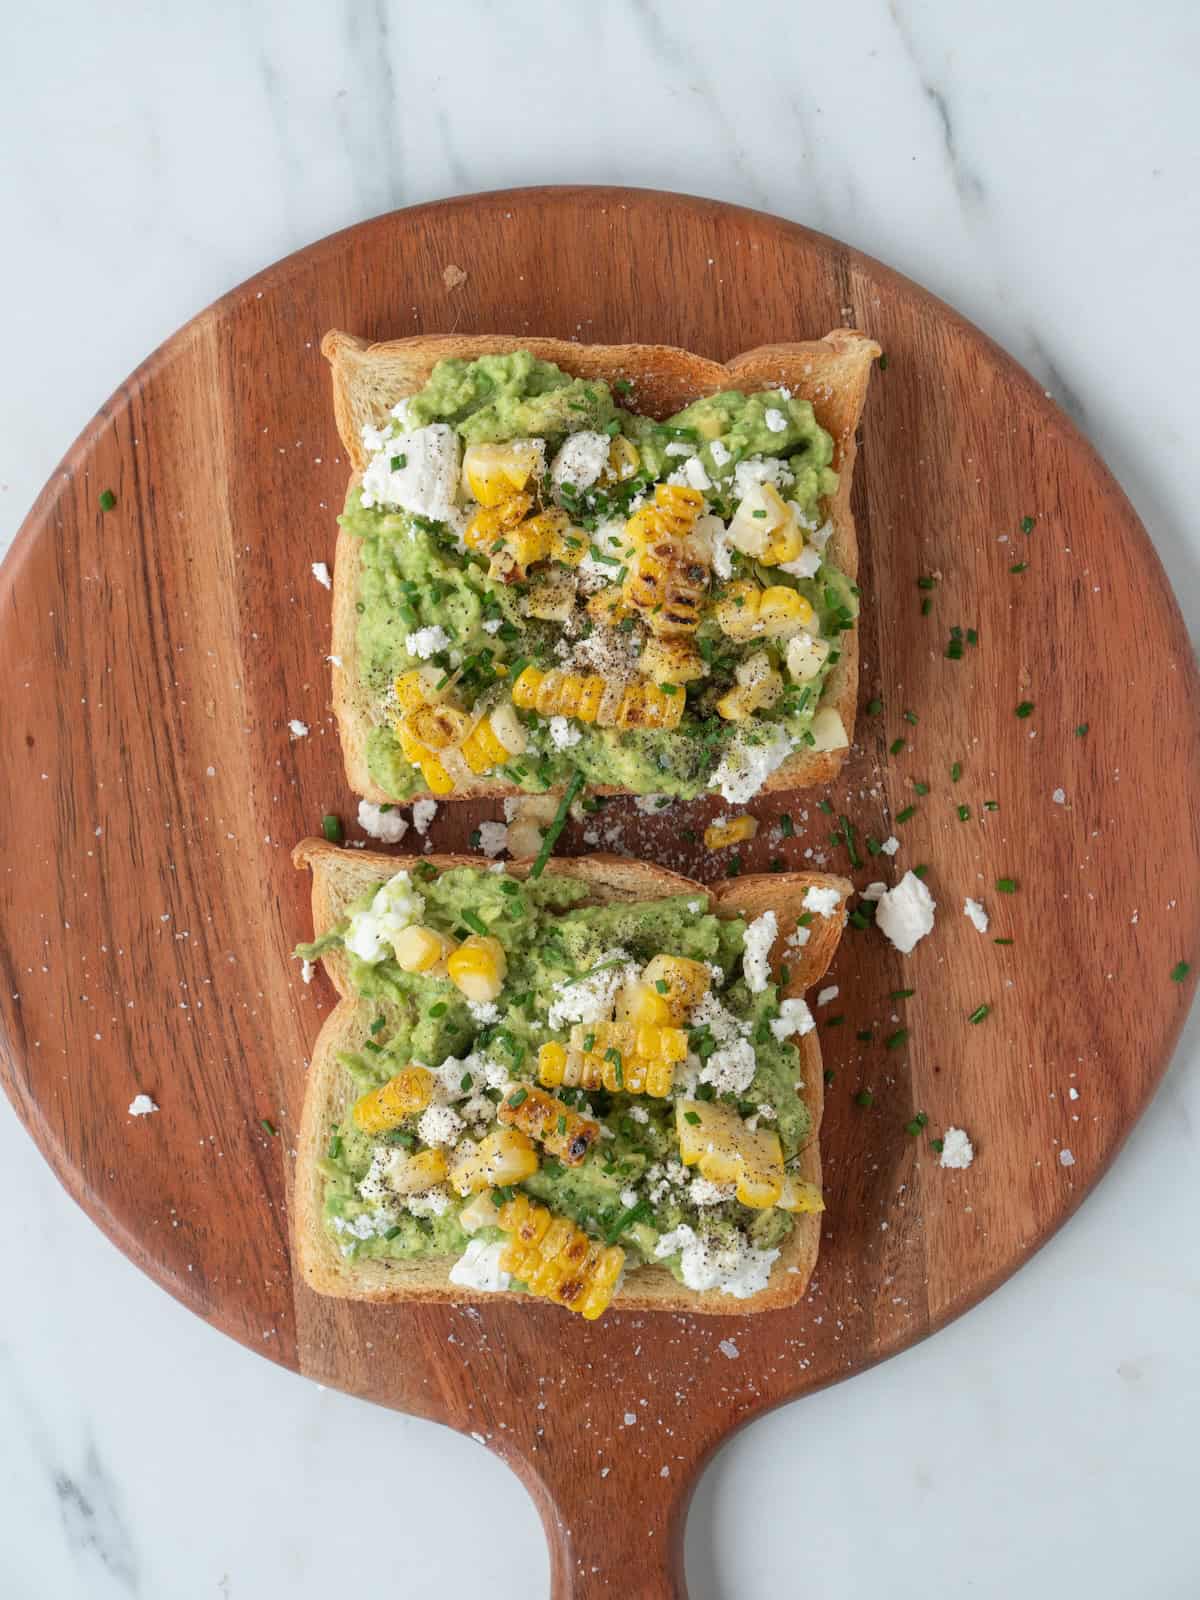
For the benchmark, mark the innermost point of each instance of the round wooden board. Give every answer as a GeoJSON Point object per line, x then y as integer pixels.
{"type": "Point", "coordinates": [152, 792]}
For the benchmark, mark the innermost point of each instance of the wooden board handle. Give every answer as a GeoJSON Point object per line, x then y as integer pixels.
{"type": "Point", "coordinates": [620, 1534]}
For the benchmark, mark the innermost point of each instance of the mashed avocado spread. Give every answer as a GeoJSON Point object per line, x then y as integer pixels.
{"type": "Point", "coordinates": [628, 1066]}
{"type": "Point", "coordinates": [552, 582]}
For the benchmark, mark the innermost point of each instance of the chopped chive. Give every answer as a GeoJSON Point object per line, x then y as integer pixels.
{"type": "Point", "coordinates": [858, 919]}
{"type": "Point", "coordinates": [1025, 708]}
{"type": "Point", "coordinates": [335, 1146]}
{"type": "Point", "coordinates": [937, 1145]}
{"type": "Point", "coordinates": [785, 825]}
{"type": "Point", "coordinates": [979, 1013]}
{"type": "Point", "coordinates": [915, 1126]}
{"type": "Point", "coordinates": [331, 827]}
{"type": "Point", "coordinates": [557, 825]}
{"type": "Point", "coordinates": [1006, 885]}
{"type": "Point", "coordinates": [911, 716]}
{"type": "Point", "coordinates": [465, 1081]}
{"type": "Point", "coordinates": [921, 788]}
{"type": "Point", "coordinates": [895, 1040]}
{"type": "Point", "coordinates": [926, 583]}
{"type": "Point", "coordinates": [902, 994]}
{"type": "Point", "coordinates": [1180, 971]}
{"type": "Point", "coordinates": [1019, 566]}
{"type": "Point", "coordinates": [864, 1035]}
{"type": "Point", "coordinates": [1001, 941]}
{"type": "Point", "coordinates": [692, 1117]}
{"type": "Point", "coordinates": [474, 921]}
{"type": "Point", "coordinates": [956, 772]}
{"type": "Point", "coordinates": [823, 805]}
{"type": "Point", "coordinates": [517, 1098]}
{"type": "Point", "coordinates": [954, 650]}
{"type": "Point", "coordinates": [972, 636]}
{"type": "Point", "coordinates": [1081, 730]}
{"type": "Point", "coordinates": [107, 500]}
{"type": "Point", "coordinates": [895, 747]}
{"type": "Point", "coordinates": [834, 1022]}
{"type": "Point", "coordinates": [920, 872]}
{"type": "Point", "coordinates": [903, 816]}
{"type": "Point", "coordinates": [883, 362]}
{"type": "Point", "coordinates": [964, 813]}
{"type": "Point", "coordinates": [828, 1076]}
{"type": "Point", "coordinates": [378, 1025]}
{"type": "Point", "coordinates": [268, 1125]}
{"type": "Point", "coordinates": [561, 1123]}
{"type": "Point", "coordinates": [874, 707]}
{"type": "Point", "coordinates": [864, 1098]}
{"type": "Point", "coordinates": [873, 844]}
{"type": "Point", "coordinates": [390, 1233]}
{"type": "Point", "coordinates": [1027, 524]}
{"type": "Point", "coordinates": [589, 1043]}
{"type": "Point", "coordinates": [438, 1010]}
{"type": "Point", "coordinates": [776, 864]}
{"type": "Point", "coordinates": [634, 1214]}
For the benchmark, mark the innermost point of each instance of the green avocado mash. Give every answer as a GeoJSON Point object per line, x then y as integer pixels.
{"type": "Point", "coordinates": [433, 595]}
{"type": "Point", "coordinates": [566, 963]}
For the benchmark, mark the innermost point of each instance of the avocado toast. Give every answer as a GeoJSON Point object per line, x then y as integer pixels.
{"type": "Point", "coordinates": [608, 1063]}
{"type": "Point", "coordinates": [626, 561]}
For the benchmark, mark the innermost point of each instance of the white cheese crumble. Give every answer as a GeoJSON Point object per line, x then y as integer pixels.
{"type": "Point", "coordinates": [141, 1106]}
{"type": "Point", "coordinates": [395, 907]}
{"type": "Point", "coordinates": [1065, 1158]}
{"type": "Point", "coordinates": [704, 1192]}
{"type": "Point", "coordinates": [1059, 797]}
{"type": "Point", "coordinates": [806, 565]}
{"type": "Point", "coordinates": [826, 995]}
{"type": "Point", "coordinates": [321, 573]}
{"type": "Point", "coordinates": [890, 845]}
{"type": "Point", "coordinates": [794, 1018]}
{"type": "Point", "coordinates": [731, 1067]}
{"type": "Point", "coordinates": [307, 969]}
{"type": "Point", "coordinates": [426, 484]}
{"type": "Point", "coordinates": [563, 733]}
{"type": "Point", "coordinates": [719, 453]}
{"type": "Point", "coordinates": [749, 474]}
{"type": "Point", "coordinates": [957, 1149]}
{"type": "Point", "coordinates": [479, 1267]}
{"type": "Point", "coordinates": [423, 813]}
{"type": "Point", "coordinates": [387, 825]}
{"type": "Point", "coordinates": [775, 420]}
{"type": "Point", "coordinates": [978, 916]}
{"type": "Point", "coordinates": [905, 913]}
{"type": "Point", "coordinates": [629, 1197]}
{"type": "Point", "coordinates": [581, 460]}
{"type": "Point", "coordinates": [756, 951]}
{"type": "Point", "coordinates": [335, 661]}
{"type": "Point", "coordinates": [824, 902]}
{"type": "Point", "coordinates": [493, 837]}
{"type": "Point", "coordinates": [298, 729]}
{"type": "Point", "coordinates": [426, 642]}
{"type": "Point", "coordinates": [592, 999]}
{"type": "Point", "coordinates": [798, 938]}
{"type": "Point", "coordinates": [433, 1203]}
{"type": "Point", "coordinates": [485, 1012]}
{"type": "Point", "coordinates": [493, 624]}
{"type": "Point", "coordinates": [874, 891]}
{"type": "Point", "coordinates": [746, 767]}
{"type": "Point", "coordinates": [735, 1268]}
{"type": "Point", "coordinates": [639, 1113]}
{"type": "Point", "coordinates": [648, 804]}
{"type": "Point", "coordinates": [439, 1125]}
{"type": "Point", "coordinates": [692, 474]}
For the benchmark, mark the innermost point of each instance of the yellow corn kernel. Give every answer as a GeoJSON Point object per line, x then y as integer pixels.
{"type": "Point", "coordinates": [481, 749]}
{"type": "Point", "coordinates": [571, 694]}
{"type": "Point", "coordinates": [491, 524]}
{"type": "Point", "coordinates": [623, 460]}
{"type": "Point", "coordinates": [503, 1157]}
{"type": "Point", "coordinates": [671, 661]}
{"type": "Point", "coordinates": [687, 982]}
{"type": "Point", "coordinates": [551, 595]}
{"type": "Point", "coordinates": [432, 770]}
{"type": "Point", "coordinates": [551, 1122]}
{"type": "Point", "coordinates": [746, 612]}
{"type": "Point", "coordinates": [667, 582]}
{"type": "Point", "coordinates": [640, 1002]}
{"type": "Point", "coordinates": [414, 690]}
{"type": "Point", "coordinates": [800, 1196]}
{"type": "Point", "coordinates": [784, 543]}
{"type": "Point", "coordinates": [416, 1173]}
{"type": "Point", "coordinates": [557, 1260]}
{"type": "Point", "coordinates": [651, 705]}
{"type": "Point", "coordinates": [783, 610]}
{"type": "Point", "coordinates": [760, 513]}
{"type": "Point", "coordinates": [479, 1212]}
{"type": "Point", "coordinates": [713, 1137]}
{"type": "Point", "coordinates": [607, 606]}
{"type": "Point", "coordinates": [643, 526]}
{"type": "Point", "coordinates": [678, 507]}
{"type": "Point", "coordinates": [478, 967]}
{"type": "Point", "coordinates": [437, 727]}
{"type": "Point", "coordinates": [421, 949]}
{"type": "Point", "coordinates": [729, 830]}
{"type": "Point", "coordinates": [623, 1057]}
{"type": "Point", "coordinates": [493, 472]}
{"type": "Point", "coordinates": [552, 1061]}
{"type": "Point", "coordinates": [386, 1107]}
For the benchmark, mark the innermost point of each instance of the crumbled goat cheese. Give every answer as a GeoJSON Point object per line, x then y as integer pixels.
{"type": "Point", "coordinates": [735, 1267]}
{"type": "Point", "coordinates": [794, 1018]}
{"type": "Point", "coordinates": [592, 999]}
{"type": "Point", "coordinates": [806, 565]}
{"type": "Point", "coordinates": [426, 642]}
{"type": "Point", "coordinates": [368, 1226]}
{"type": "Point", "coordinates": [731, 1069]}
{"type": "Point", "coordinates": [423, 813]}
{"type": "Point", "coordinates": [648, 804]}
{"type": "Point", "coordinates": [307, 969]}
{"type": "Point", "coordinates": [957, 1149]}
{"type": "Point", "coordinates": [395, 907]}
{"type": "Point", "coordinates": [485, 1012]}
{"type": "Point", "coordinates": [581, 460]}
{"type": "Point", "coordinates": [334, 660]}
{"type": "Point", "coordinates": [141, 1106]}
{"type": "Point", "coordinates": [890, 845]}
{"type": "Point", "coordinates": [704, 1192]}
{"type": "Point", "coordinates": [493, 837]}
{"type": "Point", "coordinates": [426, 484]}
{"type": "Point", "coordinates": [775, 420]}
{"type": "Point", "coordinates": [479, 1267]}
{"type": "Point", "coordinates": [1059, 797]}
{"type": "Point", "coordinates": [798, 938]}
{"type": "Point", "coordinates": [905, 913]}
{"type": "Point", "coordinates": [439, 1125]}
{"type": "Point", "coordinates": [298, 729]}
{"type": "Point", "coordinates": [749, 474]}
{"type": "Point", "coordinates": [629, 1197]}
{"type": "Point", "coordinates": [321, 573]}
{"type": "Point", "coordinates": [433, 1203]}
{"type": "Point", "coordinates": [821, 536]}
{"type": "Point", "coordinates": [756, 951]}
{"type": "Point", "coordinates": [692, 474]}
{"type": "Point", "coordinates": [745, 767]}
{"type": "Point", "coordinates": [639, 1113]}
{"type": "Point", "coordinates": [387, 825]}
{"type": "Point", "coordinates": [978, 916]}
{"type": "Point", "coordinates": [493, 624]}
{"type": "Point", "coordinates": [719, 453]}
{"type": "Point", "coordinates": [678, 448]}
{"type": "Point", "coordinates": [824, 902]}
{"type": "Point", "coordinates": [826, 995]}
{"type": "Point", "coordinates": [563, 733]}
{"type": "Point", "coordinates": [1065, 1158]}
{"type": "Point", "coordinates": [449, 1076]}
{"type": "Point", "coordinates": [874, 891]}
{"type": "Point", "coordinates": [373, 1186]}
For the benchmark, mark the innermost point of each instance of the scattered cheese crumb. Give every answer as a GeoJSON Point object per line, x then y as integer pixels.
{"type": "Point", "coordinates": [775, 420]}
{"type": "Point", "coordinates": [141, 1106]}
{"type": "Point", "coordinates": [299, 730]}
{"type": "Point", "coordinates": [1065, 1158]}
{"type": "Point", "coordinates": [823, 901]}
{"type": "Point", "coordinates": [493, 837]}
{"type": "Point", "coordinates": [321, 573]}
{"type": "Point", "coordinates": [563, 733]}
{"type": "Point", "coordinates": [307, 969]}
{"type": "Point", "coordinates": [386, 824]}
{"type": "Point", "coordinates": [957, 1149]}
{"type": "Point", "coordinates": [890, 845]}
{"type": "Point", "coordinates": [874, 891]}
{"type": "Point", "coordinates": [826, 995]}
{"type": "Point", "coordinates": [978, 916]}
{"type": "Point", "coordinates": [423, 813]}
{"type": "Point", "coordinates": [426, 642]}
{"type": "Point", "coordinates": [1059, 797]}
{"type": "Point", "coordinates": [728, 1348]}
{"type": "Point", "coordinates": [756, 950]}
{"type": "Point", "coordinates": [905, 913]}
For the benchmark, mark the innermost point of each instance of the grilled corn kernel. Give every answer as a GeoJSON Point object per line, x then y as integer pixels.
{"type": "Point", "coordinates": [714, 1138]}
{"type": "Point", "coordinates": [641, 1002]}
{"type": "Point", "coordinates": [800, 1196]}
{"type": "Point", "coordinates": [478, 967]}
{"type": "Point", "coordinates": [492, 523]}
{"type": "Point", "coordinates": [758, 515]}
{"type": "Point", "coordinates": [431, 769]}
{"type": "Point", "coordinates": [687, 982]}
{"type": "Point", "coordinates": [678, 507]}
{"type": "Point", "coordinates": [552, 1062]}
{"type": "Point", "coordinates": [416, 1173]}
{"type": "Point", "coordinates": [494, 472]}
{"type": "Point", "coordinates": [386, 1107]}
{"type": "Point", "coordinates": [758, 685]}
{"type": "Point", "coordinates": [784, 543]}
{"type": "Point", "coordinates": [729, 830]}
{"type": "Point", "coordinates": [437, 727]}
{"type": "Point", "coordinates": [667, 582]}
{"type": "Point", "coordinates": [562, 1131]}
{"type": "Point", "coordinates": [746, 612]}
{"type": "Point", "coordinates": [671, 661]}
{"type": "Point", "coordinates": [557, 1260]}
{"type": "Point", "coordinates": [623, 460]}
{"type": "Point", "coordinates": [607, 606]}
{"type": "Point", "coordinates": [551, 596]}
{"type": "Point", "coordinates": [626, 1056]}
{"type": "Point", "coordinates": [805, 657]}
{"type": "Point", "coordinates": [503, 1157]}
{"type": "Point", "coordinates": [416, 689]}
{"type": "Point", "coordinates": [421, 949]}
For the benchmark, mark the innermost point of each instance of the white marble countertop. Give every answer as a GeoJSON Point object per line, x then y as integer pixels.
{"type": "Point", "coordinates": [1035, 166]}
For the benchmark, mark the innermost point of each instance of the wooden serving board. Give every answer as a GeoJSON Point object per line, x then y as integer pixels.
{"type": "Point", "coordinates": [154, 656]}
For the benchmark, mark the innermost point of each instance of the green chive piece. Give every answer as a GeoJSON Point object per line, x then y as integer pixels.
{"type": "Point", "coordinates": [954, 650]}
{"type": "Point", "coordinates": [1006, 885]}
{"type": "Point", "coordinates": [926, 606]}
{"type": "Point", "coordinates": [1180, 971]}
{"type": "Point", "coordinates": [335, 1147]}
{"type": "Point", "coordinates": [1001, 941]}
{"type": "Point", "coordinates": [1081, 730]}
{"type": "Point", "coordinates": [1025, 709]}
{"type": "Point", "coordinates": [883, 362]}
{"type": "Point", "coordinates": [972, 636]}
{"type": "Point", "coordinates": [895, 747]}
{"type": "Point", "coordinates": [874, 707]}
{"type": "Point", "coordinates": [937, 1145]}
{"type": "Point", "coordinates": [964, 813]}
{"type": "Point", "coordinates": [902, 994]}
{"type": "Point", "coordinates": [834, 1022]}
{"type": "Point", "coordinates": [914, 1127]}
{"type": "Point", "coordinates": [823, 805]}
{"type": "Point", "coordinates": [911, 716]}
{"type": "Point", "coordinates": [786, 827]}
{"type": "Point", "coordinates": [331, 827]}
{"type": "Point", "coordinates": [895, 1040]}
{"type": "Point", "coordinates": [390, 1233]}
{"type": "Point", "coordinates": [920, 872]}
{"type": "Point", "coordinates": [864, 1098]}
{"type": "Point", "coordinates": [550, 837]}
{"type": "Point", "coordinates": [903, 816]}
{"type": "Point", "coordinates": [956, 772]}
{"type": "Point", "coordinates": [691, 1116]}
{"type": "Point", "coordinates": [991, 805]}
{"type": "Point", "coordinates": [921, 788]}
{"type": "Point", "coordinates": [107, 500]}
{"type": "Point", "coordinates": [828, 1076]}
{"type": "Point", "coordinates": [1019, 566]}
{"type": "Point", "coordinates": [517, 1098]}
{"type": "Point", "coordinates": [926, 583]}
{"type": "Point", "coordinates": [979, 1013]}
{"type": "Point", "coordinates": [378, 1025]}
{"type": "Point", "coordinates": [268, 1125]}
{"type": "Point", "coordinates": [1027, 524]}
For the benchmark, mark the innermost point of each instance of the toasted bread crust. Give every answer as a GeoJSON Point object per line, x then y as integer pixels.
{"type": "Point", "coordinates": [340, 876]}
{"type": "Point", "coordinates": [832, 373]}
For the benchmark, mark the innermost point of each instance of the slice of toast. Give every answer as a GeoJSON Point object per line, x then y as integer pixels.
{"type": "Point", "coordinates": [368, 379]}
{"type": "Point", "coordinates": [340, 876]}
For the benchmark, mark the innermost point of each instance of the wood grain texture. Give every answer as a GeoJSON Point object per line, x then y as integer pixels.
{"type": "Point", "coordinates": [152, 793]}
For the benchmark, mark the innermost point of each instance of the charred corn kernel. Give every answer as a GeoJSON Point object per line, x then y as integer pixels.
{"type": "Point", "coordinates": [557, 1260]}
{"type": "Point", "coordinates": [416, 1173]}
{"type": "Point", "coordinates": [492, 523]}
{"type": "Point", "coordinates": [551, 1122]}
{"type": "Point", "coordinates": [800, 1196]}
{"type": "Point", "coordinates": [729, 830]}
{"type": "Point", "coordinates": [478, 967]}
{"type": "Point", "coordinates": [746, 612]}
{"type": "Point", "coordinates": [650, 705]}
{"type": "Point", "coordinates": [607, 607]}
{"type": "Point", "coordinates": [671, 661]}
{"type": "Point", "coordinates": [503, 1157]}
{"type": "Point", "coordinates": [623, 459]}
{"type": "Point", "coordinates": [437, 727]}
{"type": "Point", "coordinates": [421, 949]}
{"type": "Point", "coordinates": [713, 1137]}
{"type": "Point", "coordinates": [479, 1212]}
{"type": "Point", "coordinates": [640, 1002]}
{"type": "Point", "coordinates": [431, 769]}
{"type": "Point", "coordinates": [667, 582]}
{"type": "Point", "coordinates": [678, 507]}
{"type": "Point", "coordinates": [784, 543]}
{"type": "Point", "coordinates": [757, 685]}
{"type": "Point", "coordinates": [386, 1107]}
{"type": "Point", "coordinates": [626, 1056]}
{"type": "Point", "coordinates": [493, 472]}
{"type": "Point", "coordinates": [416, 689]}
{"type": "Point", "coordinates": [783, 610]}
{"type": "Point", "coordinates": [650, 1041]}
{"type": "Point", "coordinates": [571, 694]}
{"type": "Point", "coordinates": [687, 982]}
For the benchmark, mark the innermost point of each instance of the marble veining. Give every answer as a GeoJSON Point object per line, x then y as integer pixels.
{"type": "Point", "coordinates": [1030, 165]}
